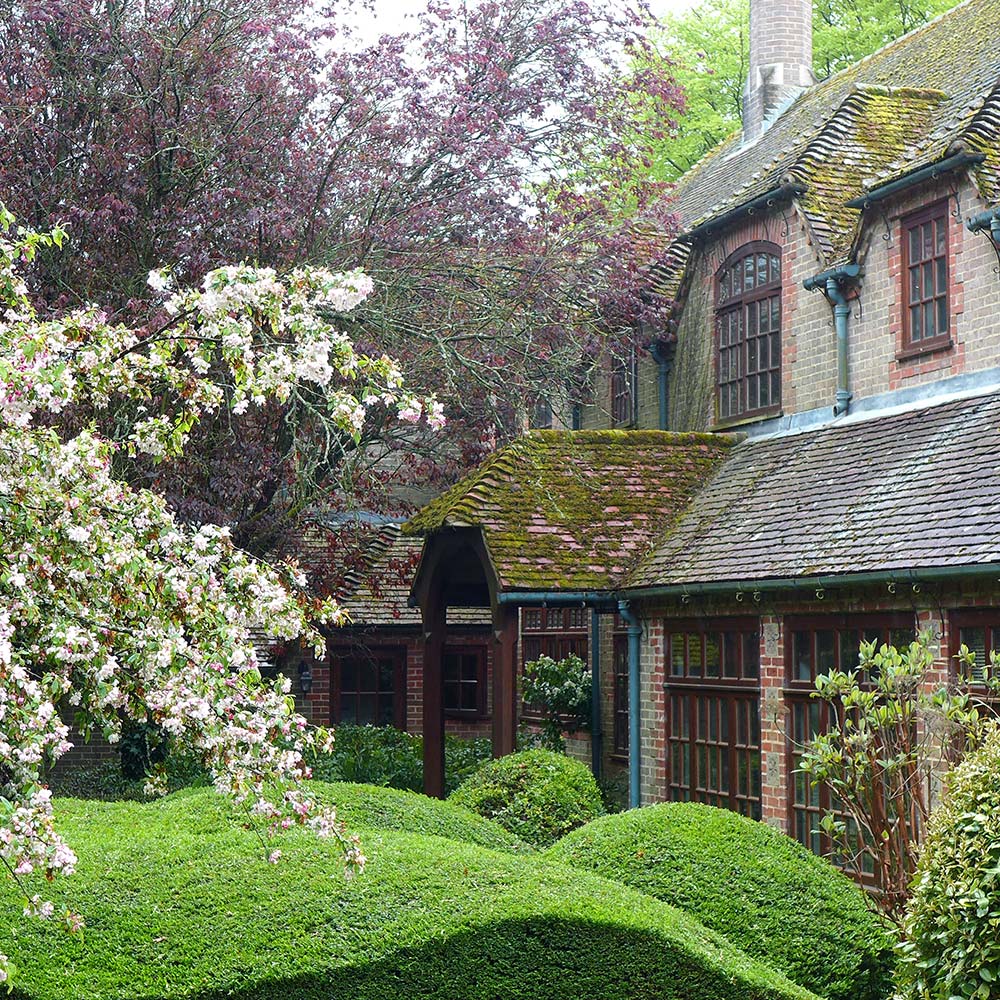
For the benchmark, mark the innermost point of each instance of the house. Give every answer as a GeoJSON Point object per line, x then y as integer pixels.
{"type": "Point", "coordinates": [807, 457]}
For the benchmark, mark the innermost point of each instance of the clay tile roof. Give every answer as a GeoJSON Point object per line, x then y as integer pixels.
{"type": "Point", "coordinates": [378, 594]}
{"type": "Point", "coordinates": [575, 510]}
{"type": "Point", "coordinates": [917, 100]}
{"type": "Point", "coordinates": [910, 490]}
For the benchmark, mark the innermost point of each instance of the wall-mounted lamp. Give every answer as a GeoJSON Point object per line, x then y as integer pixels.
{"type": "Point", "coordinates": [305, 677]}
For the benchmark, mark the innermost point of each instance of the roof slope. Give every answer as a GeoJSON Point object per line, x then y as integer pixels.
{"type": "Point", "coordinates": [575, 510]}
{"type": "Point", "coordinates": [378, 593]}
{"type": "Point", "coordinates": [906, 491]}
{"type": "Point", "coordinates": [955, 55]}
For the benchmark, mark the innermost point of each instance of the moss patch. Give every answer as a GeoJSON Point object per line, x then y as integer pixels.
{"type": "Point", "coordinates": [575, 510]}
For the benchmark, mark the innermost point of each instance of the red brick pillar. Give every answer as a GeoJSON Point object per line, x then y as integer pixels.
{"type": "Point", "coordinates": [654, 712]}
{"type": "Point", "coordinates": [773, 724]}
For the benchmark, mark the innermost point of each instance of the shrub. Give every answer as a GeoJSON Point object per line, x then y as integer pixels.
{"type": "Point", "coordinates": [180, 904]}
{"type": "Point", "coordinates": [765, 892]}
{"type": "Point", "coordinates": [537, 795]}
{"type": "Point", "coordinates": [888, 736]}
{"type": "Point", "coordinates": [561, 690]}
{"type": "Point", "coordinates": [952, 926]}
{"type": "Point", "coordinates": [383, 755]}
{"type": "Point", "coordinates": [107, 782]}
{"type": "Point", "coordinates": [410, 812]}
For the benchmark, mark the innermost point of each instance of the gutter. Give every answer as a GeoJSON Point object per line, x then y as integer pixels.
{"type": "Point", "coordinates": [767, 200]}
{"type": "Point", "coordinates": [831, 282]}
{"type": "Point", "coordinates": [634, 705]}
{"type": "Point", "coordinates": [769, 585]}
{"type": "Point", "coordinates": [956, 162]}
{"type": "Point", "coordinates": [558, 598]}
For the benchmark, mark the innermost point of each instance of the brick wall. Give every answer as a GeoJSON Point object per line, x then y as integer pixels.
{"type": "Point", "coordinates": [929, 605]}
{"type": "Point", "coordinates": [809, 354]}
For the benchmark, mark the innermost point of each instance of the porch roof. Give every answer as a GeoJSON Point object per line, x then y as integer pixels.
{"type": "Point", "coordinates": [905, 491]}
{"type": "Point", "coordinates": [576, 510]}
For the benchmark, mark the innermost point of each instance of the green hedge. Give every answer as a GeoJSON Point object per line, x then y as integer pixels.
{"type": "Point", "coordinates": [410, 812]}
{"type": "Point", "coordinates": [537, 795]}
{"type": "Point", "coordinates": [180, 904]}
{"type": "Point", "coordinates": [953, 919]}
{"type": "Point", "coordinates": [372, 755]}
{"type": "Point", "coordinates": [765, 892]}
{"type": "Point", "coordinates": [382, 755]}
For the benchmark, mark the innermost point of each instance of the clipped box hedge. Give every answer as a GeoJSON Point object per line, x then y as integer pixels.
{"type": "Point", "coordinates": [764, 891]}
{"type": "Point", "coordinates": [409, 812]}
{"type": "Point", "coordinates": [180, 904]}
{"type": "Point", "coordinates": [537, 795]}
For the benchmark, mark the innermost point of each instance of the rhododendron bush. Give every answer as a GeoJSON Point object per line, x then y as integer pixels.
{"type": "Point", "coordinates": [111, 609]}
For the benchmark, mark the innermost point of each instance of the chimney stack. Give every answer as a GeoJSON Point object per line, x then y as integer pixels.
{"type": "Point", "coordinates": [780, 60]}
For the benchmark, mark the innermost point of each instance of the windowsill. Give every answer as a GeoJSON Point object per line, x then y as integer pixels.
{"type": "Point", "coordinates": [619, 756]}
{"type": "Point", "coordinates": [466, 716]}
{"type": "Point", "coordinates": [753, 418]}
{"type": "Point", "coordinates": [920, 350]}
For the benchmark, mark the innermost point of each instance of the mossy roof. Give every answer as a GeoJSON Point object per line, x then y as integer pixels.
{"type": "Point", "coordinates": [908, 490]}
{"type": "Point", "coordinates": [917, 100]}
{"type": "Point", "coordinates": [576, 510]}
{"type": "Point", "coordinates": [378, 592]}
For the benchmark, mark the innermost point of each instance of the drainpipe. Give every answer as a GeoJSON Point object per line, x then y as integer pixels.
{"type": "Point", "coordinates": [831, 283]}
{"type": "Point", "coordinates": [596, 730]}
{"type": "Point", "coordinates": [663, 355]}
{"type": "Point", "coordinates": [634, 703]}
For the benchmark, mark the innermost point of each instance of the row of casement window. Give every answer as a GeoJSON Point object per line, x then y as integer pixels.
{"type": "Point", "coordinates": [748, 312]}
{"type": "Point", "coordinates": [713, 693]}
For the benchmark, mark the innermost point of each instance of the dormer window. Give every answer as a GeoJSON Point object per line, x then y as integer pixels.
{"type": "Point", "coordinates": [925, 278]}
{"type": "Point", "coordinates": [748, 331]}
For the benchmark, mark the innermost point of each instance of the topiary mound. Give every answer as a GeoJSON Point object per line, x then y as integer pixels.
{"type": "Point", "coordinates": [537, 795]}
{"type": "Point", "coordinates": [765, 892]}
{"type": "Point", "coordinates": [407, 812]}
{"type": "Point", "coordinates": [952, 947]}
{"type": "Point", "coordinates": [181, 904]}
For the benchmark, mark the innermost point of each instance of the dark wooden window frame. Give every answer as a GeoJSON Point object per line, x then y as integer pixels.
{"type": "Point", "coordinates": [467, 649]}
{"type": "Point", "coordinates": [797, 694]}
{"type": "Point", "coordinates": [398, 694]}
{"type": "Point", "coordinates": [697, 695]}
{"type": "Point", "coordinates": [620, 695]}
{"type": "Point", "coordinates": [724, 306]}
{"type": "Point", "coordinates": [937, 212]}
{"type": "Point", "coordinates": [961, 618]}
{"type": "Point", "coordinates": [624, 379]}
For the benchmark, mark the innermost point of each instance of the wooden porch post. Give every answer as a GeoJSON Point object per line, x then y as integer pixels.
{"type": "Point", "coordinates": [504, 679]}
{"type": "Point", "coordinates": [434, 623]}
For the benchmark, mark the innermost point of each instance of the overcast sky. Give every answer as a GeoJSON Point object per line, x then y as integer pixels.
{"type": "Point", "coordinates": [391, 16]}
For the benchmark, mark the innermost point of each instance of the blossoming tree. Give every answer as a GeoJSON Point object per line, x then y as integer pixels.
{"type": "Point", "coordinates": [109, 606]}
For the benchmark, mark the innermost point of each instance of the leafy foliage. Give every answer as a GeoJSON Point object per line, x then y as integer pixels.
{"type": "Point", "coordinates": [180, 905]}
{"type": "Point", "coordinates": [111, 606]}
{"type": "Point", "coordinates": [383, 755]}
{"type": "Point", "coordinates": [561, 691]}
{"type": "Point", "coordinates": [445, 160]}
{"type": "Point", "coordinates": [537, 795]}
{"type": "Point", "coordinates": [762, 890]}
{"type": "Point", "coordinates": [887, 737]}
{"type": "Point", "coordinates": [952, 948]}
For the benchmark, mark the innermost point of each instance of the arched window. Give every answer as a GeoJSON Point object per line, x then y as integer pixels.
{"type": "Point", "coordinates": [748, 331]}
